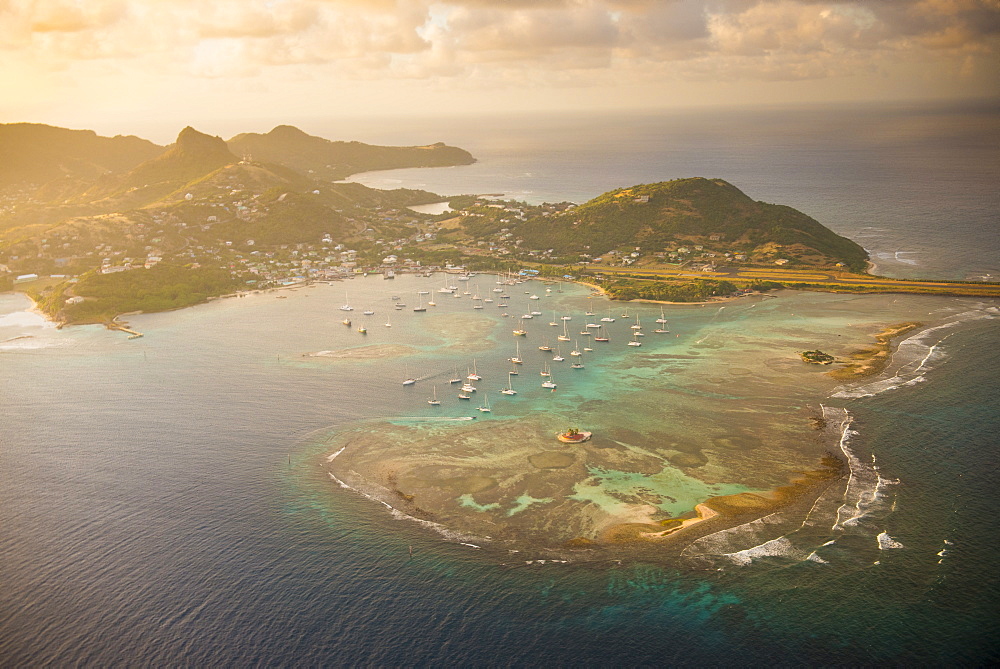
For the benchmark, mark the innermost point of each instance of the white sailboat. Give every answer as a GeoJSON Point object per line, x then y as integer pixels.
{"type": "Point", "coordinates": [553, 321]}
{"type": "Point", "coordinates": [662, 318]}
{"type": "Point", "coordinates": [565, 335]}
{"type": "Point", "coordinates": [636, 325]}
{"type": "Point", "coordinates": [485, 408]}
{"type": "Point", "coordinates": [549, 383]}
{"type": "Point", "coordinates": [576, 349]}
{"type": "Point", "coordinates": [347, 304]}
{"type": "Point", "coordinates": [509, 390]}
{"type": "Point", "coordinates": [517, 354]}
{"type": "Point", "coordinates": [409, 379]}
{"type": "Point", "coordinates": [420, 303]}
{"type": "Point", "coordinates": [388, 321]}
{"type": "Point", "coordinates": [545, 370]}
{"type": "Point", "coordinates": [608, 318]}
{"type": "Point", "coordinates": [635, 342]}
{"type": "Point", "coordinates": [456, 378]}
{"type": "Point", "coordinates": [474, 374]}
{"type": "Point", "coordinates": [558, 356]}
{"type": "Point", "coordinates": [434, 401]}
{"type": "Point", "coordinates": [602, 334]}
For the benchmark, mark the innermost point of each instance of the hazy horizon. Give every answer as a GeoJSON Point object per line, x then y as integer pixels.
{"type": "Point", "coordinates": [141, 67]}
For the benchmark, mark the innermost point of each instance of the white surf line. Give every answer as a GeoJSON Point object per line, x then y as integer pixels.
{"type": "Point", "coordinates": [448, 534]}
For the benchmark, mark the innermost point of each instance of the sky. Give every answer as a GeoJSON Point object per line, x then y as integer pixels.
{"type": "Point", "coordinates": [149, 67]}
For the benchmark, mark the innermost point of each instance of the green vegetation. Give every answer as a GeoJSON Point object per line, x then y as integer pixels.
{"type": "Point", "coordinates": [698, 290]}
{"type": "Point", "coordinates": [156, 289]}
{"type": "Point", "coordinates": [817, 357]}
{"type": "Point", "coordinates": [38, 154]}
{"type": "Point", "coordinates": [672, 214]}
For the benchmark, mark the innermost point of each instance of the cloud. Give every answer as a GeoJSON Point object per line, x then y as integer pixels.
{"type": "Point", "coordinates": [564, 42]}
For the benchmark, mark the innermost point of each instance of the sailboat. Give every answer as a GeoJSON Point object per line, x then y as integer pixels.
{"type": "Point", "coordinates": [545, 370]}
{"type": "Point", "coordinates": [513, 368]}
{"type": "Point", "coordinates": [558, 356]}
{"type": "Point", "coordinates": [577, 364]}
{"type": "Point", "coordinates": [608, 318]}
{"type": "Point", "coordinates": [625, 313]}
{"type": "Point", "coordinates": [409, 379]}
{"type": "Point", "coordinates": [388, 321]}
{"type": "Point", "coordinates": [474, 374]}
{"type": "Point", "coordinates": [347, 305]}
{"type": "Point", "coordinates": [662, 318]}
{"type": "Point", "coordinates": [589, 308]}
{"type": "Point", "coordinates": [549, 383]}
{"type": "Point", "coordinates": [545, 346]}
{"type": "Point", "coordinates": [520, 331]}
{"type": "Point", "coordinates": [576, 349]}
{"type": "Point", "coordinates": [509, 390]}
{"type": "Point", "coordinates": [602, 334]}
{"type": "Point", "coordinates": [565, 335]}
{"type": "Point", "coordinates": [456, 378]}
{"type": "Point", "coordinates": [485, 408]}
{"type": "Point", "coordinates": [517, 354]}
{"type": "Point", "coordinates": [636, 325]}
{"type": "Point", "coordinates": [553, 321]}
{"type": "Point", "coordinates": [635, 342]}
{"type": "Point", "coordinates": [420, 304]}
{"type": "Point", "coordinates": [434, 401]}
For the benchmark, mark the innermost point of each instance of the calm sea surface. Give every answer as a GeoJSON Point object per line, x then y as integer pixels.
{"type": "Point", "coordinates": [163, 500]}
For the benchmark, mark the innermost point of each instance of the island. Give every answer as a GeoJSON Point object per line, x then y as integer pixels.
{"type": "Point", "coordinates": [94, 227]}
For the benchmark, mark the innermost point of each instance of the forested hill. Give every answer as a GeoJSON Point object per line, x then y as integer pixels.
{"type": "Point", "coordinates": [691, 211]}
{"type": "Point", "coordinates": [37, 153]}
{"type": "Point", "coordinates": [322, 158]}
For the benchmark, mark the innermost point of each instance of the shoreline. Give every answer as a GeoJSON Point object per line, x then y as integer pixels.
{"type": "Point", "coordinates": [872, 361]}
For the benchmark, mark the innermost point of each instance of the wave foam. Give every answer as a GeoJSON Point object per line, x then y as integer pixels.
{"type": "Point", "coordinates": [886, 542]}
{"type": "Point", "coordinates": [850, 506]}
{"type": "Point", "coordinates": [916, 355]}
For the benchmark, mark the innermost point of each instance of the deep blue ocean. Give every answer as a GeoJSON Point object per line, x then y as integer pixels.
{"type": "Point", "coordinates": [163, 500]}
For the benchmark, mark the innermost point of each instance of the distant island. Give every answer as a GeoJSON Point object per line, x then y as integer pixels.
{"type": "Point", "coordinates": [92, 227]}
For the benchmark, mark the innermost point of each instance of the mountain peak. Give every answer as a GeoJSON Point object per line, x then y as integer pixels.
{"type": "Point", "coordinates": [190, 140]}
{"type": "Point", "coordinates": [287, 132]}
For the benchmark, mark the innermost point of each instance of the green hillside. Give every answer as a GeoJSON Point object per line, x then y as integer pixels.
{"type": "Point", "coordinates": [327, 159]}
{"type": "Point", "coordinates": [37, 154]}
{"type": "Point", "coordinates": [691, 211]}
{"type": "Point", "coordinates": [191, 157]}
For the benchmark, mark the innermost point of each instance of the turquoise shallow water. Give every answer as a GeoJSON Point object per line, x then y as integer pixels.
{"type": "Point", "coordinates": [162, 500]}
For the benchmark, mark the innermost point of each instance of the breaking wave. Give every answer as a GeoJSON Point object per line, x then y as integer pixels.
{"type": "Point", "coordinates": [856, 504]}
{"type": "Point", "coordinates": [914, 356]}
